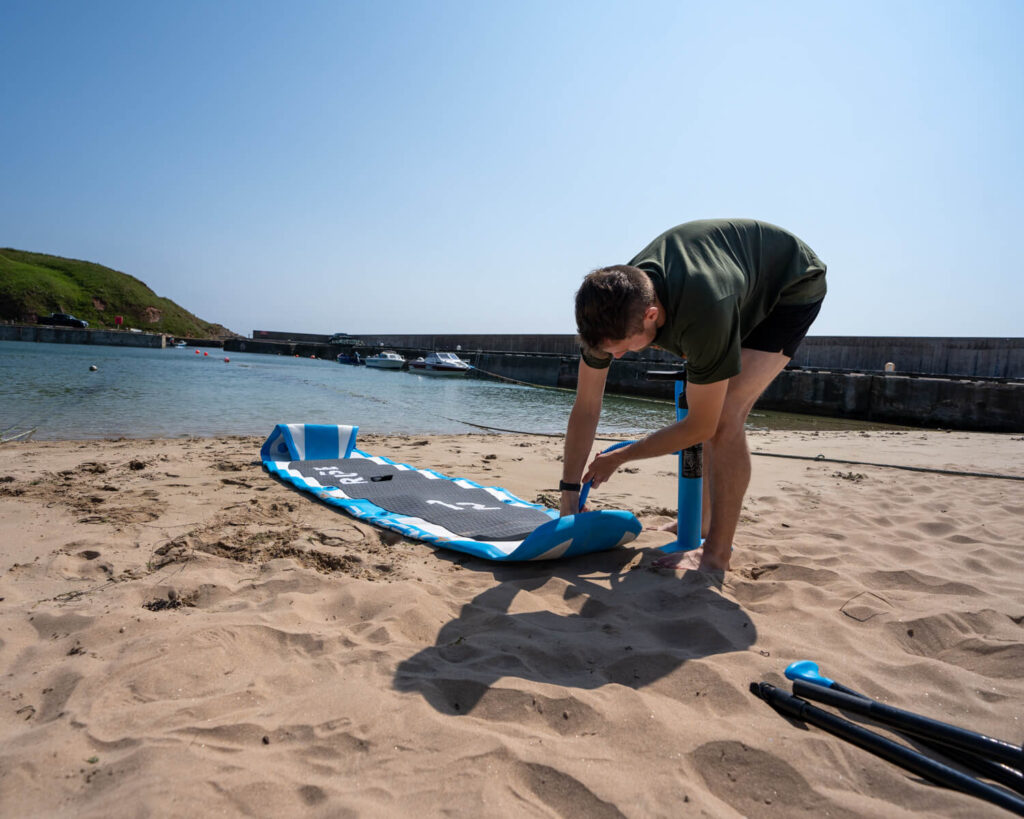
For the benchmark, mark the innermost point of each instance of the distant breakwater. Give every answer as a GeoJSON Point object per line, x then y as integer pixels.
{"type": "Point", "coordinates": [938, 356]}
{"type": "Point", "coordinates": [51, 334]}
{"type": "Point", "coordinates": [78, 335]}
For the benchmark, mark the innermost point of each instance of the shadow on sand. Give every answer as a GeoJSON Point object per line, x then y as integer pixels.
{"type": "Point", "coordinates": [579, 624]}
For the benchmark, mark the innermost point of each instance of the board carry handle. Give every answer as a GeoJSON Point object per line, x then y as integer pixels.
{"type": "Point", "coordinates": [585, 491]}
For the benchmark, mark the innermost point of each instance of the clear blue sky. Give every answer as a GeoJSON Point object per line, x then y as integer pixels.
{"type": "Point", "coordinates": [440, 166]}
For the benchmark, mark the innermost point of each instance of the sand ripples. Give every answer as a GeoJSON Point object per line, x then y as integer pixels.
{"type": "Point", "coordinates": [230, 647]}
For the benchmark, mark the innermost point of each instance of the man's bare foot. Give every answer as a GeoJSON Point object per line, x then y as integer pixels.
{"type": "Point", "coordinates": [680, 561]}
{"type": "Point", "coordinates": [713, 562]}
{"type": "Point", "coordinates": [698, 560]}
{"type": "Point", "coordinates": [673, 528]}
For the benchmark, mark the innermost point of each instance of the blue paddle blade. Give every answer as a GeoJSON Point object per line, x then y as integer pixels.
{"type": "Point", "coordinates": [807, 671]}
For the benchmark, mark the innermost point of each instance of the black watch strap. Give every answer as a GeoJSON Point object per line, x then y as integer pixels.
{"type": "Point", "coordinates": [565, 486]}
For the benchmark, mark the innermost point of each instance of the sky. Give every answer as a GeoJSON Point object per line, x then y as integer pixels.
{"type": "Point", "coordinates": [458, 166]}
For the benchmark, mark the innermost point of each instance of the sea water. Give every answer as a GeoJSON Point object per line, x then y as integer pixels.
{"type": "Point", "coordinates": [173, 392]}
{"type": "Point", "coordinates": [177, 392]}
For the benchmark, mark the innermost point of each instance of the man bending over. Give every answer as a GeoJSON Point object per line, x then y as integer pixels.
{"type": "Point", "coordinates": [734, 297]}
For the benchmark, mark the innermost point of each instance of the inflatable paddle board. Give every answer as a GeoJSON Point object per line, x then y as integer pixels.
{"type": "Point", "coordinates": [484, 521]}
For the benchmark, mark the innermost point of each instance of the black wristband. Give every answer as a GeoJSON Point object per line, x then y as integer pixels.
{"type": "Point", "coordinates": [565, 486]}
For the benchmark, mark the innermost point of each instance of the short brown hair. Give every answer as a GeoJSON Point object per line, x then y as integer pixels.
{"type": "Point", "coordinates": [610, 304]}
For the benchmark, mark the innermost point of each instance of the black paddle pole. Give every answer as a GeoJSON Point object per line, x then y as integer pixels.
{"type": "Point", "coordinates": [808, 672]}
{"type": "Point", "coordinates": [788, 705]}
{"type": "Point", "coordinates": [911, 723]}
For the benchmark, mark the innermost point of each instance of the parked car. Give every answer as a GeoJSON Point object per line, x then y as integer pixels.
{"type": "Point", "coordinates": [345, 338]}
{"type": "Point", "coordinates": [62, 320]}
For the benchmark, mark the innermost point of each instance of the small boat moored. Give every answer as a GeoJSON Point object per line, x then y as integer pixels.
{"type": "Point", "coordinates": [350, 358]}
{"type": "Point", "coordinates": [386, 360]}
{"type": "Point", "coordinates": [440, 364]}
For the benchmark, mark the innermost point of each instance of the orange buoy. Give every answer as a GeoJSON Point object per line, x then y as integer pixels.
{"type": "Point", "coordinates": [197, 352]}
{"type": "Point", "coordinates": [205, 353]}
{"type": "Point", "coordinates": [227, 360]}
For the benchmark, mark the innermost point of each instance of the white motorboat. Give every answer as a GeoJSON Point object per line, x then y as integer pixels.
{"type": "Point", "coordinates": [386, 360]}
{"type": "Point", "coordinates": [440, 364]}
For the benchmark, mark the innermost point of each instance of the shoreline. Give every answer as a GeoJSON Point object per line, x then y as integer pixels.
{"type": "Point", "coordinates": [763, 421]}
{"type": "Point", "coordinates": [171, 614]}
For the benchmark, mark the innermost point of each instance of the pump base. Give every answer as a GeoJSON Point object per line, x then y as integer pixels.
{"type": "Point", "coordinates": [679, 546]}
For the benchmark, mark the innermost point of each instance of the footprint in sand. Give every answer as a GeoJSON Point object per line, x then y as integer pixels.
{"type": "Point", "coordinates": [757, 783]}
{"type": "Point", "coordinates": [981, 642]}
{"type": "Point", "coordinates": [936, 528]}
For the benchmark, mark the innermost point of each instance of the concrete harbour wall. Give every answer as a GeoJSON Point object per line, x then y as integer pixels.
{"type": "Point", "coordinates": [985, 405]}
{"type": "Point", "coordinates": [305, 349]}
{"type": "Point", "coordinates": [979, 405]}
{"type": "Point", "coordinates": [78, 335]}
{"type": "Point", "coordinates": [985, 357]}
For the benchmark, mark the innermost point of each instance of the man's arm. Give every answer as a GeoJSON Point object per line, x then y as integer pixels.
{"type": "Point", "coordinates": [579, 437]}
{"type": "Point", "coordinates": [705, 408]}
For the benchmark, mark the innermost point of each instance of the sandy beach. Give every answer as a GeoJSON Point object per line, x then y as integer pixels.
{"type": "Point", "coordinates": [182, 635]}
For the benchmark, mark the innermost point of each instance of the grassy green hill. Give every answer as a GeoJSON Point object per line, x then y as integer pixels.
{"type": "Point", "coordinates": [34, 284]}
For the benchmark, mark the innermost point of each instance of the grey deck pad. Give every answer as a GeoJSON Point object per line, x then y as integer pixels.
{"type": "Point", "coordinates": [469, 512]}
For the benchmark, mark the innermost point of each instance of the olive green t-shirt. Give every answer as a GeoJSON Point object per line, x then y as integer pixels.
{"type": "Point", "coordinates": [717, 280]}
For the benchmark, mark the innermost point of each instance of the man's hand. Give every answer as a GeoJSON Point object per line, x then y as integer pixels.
{"type": "Point", "coordinates": [604, 466]}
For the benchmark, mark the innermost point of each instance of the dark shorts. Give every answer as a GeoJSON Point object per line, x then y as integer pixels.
{"type": "Point", "coordinates": [783, 328]}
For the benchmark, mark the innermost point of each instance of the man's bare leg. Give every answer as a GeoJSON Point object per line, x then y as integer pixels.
{"type": "Point", "coordinates": [729, 482]}
{"type": "Point", "coordinates": [728, 475]}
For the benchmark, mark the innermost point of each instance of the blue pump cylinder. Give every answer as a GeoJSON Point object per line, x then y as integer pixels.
{"type": "Point", "coordinates": [691, 484]}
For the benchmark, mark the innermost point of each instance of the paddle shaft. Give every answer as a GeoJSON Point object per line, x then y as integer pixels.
{"type": "Point", "coordinates": [788, 705]}
{"type": "Point", "coordinates": [996, 771]}
{"type": "Point", "coordinates": [910, 723]}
